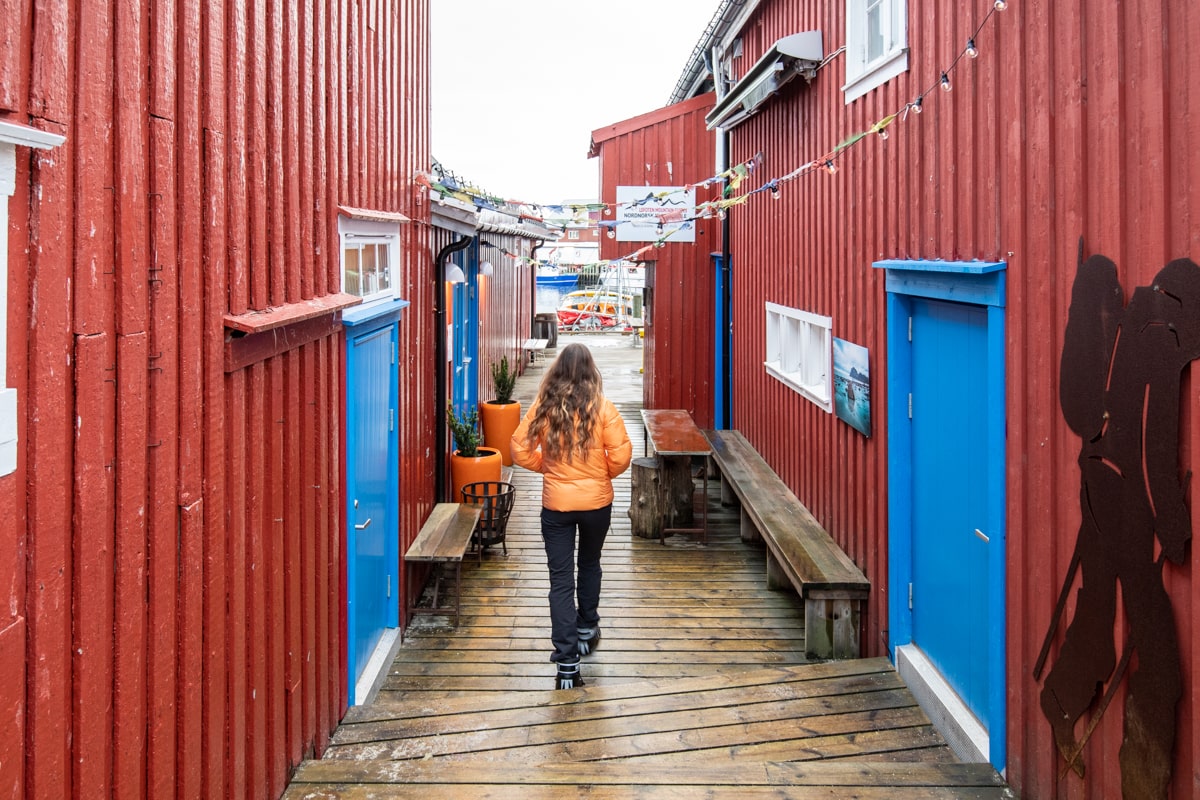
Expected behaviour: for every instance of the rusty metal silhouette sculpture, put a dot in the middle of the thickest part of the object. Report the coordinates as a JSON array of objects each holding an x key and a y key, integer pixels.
[{"x": 1120, "y": 379}]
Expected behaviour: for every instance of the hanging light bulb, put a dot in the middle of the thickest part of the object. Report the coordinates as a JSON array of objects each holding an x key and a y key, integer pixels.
[
  {"x": 721, "y": 213},
  {"x": 945, "y": 82},
  {"x": 659, "y": 229},
  {"x": 774, "y": 190},
  {"x": 883, "y": 134},
  {"x": 915, "y": 105},
  {"x": 607, "y": 211},
  {"x": 1000, "y": 5},
  {"x": 612, "y": 232},
  {"x": 972, "y": 50},
  {"x": 832, "y": 167}
]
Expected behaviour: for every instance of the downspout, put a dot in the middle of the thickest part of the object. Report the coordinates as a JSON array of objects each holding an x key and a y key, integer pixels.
[
  {"x": 439, "y": 371},
  {"x": 533, "y": 283}
]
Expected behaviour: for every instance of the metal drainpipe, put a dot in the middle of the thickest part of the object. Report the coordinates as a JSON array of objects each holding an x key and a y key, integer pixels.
[
  {"x": 533, "y": 283},
  {"x": 439, "y": 305}
]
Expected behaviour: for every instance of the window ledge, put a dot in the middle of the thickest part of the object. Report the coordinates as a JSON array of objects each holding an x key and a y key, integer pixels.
[
  {"x": 268, "y": 318},
  {"x": 824, "y": 402},
  {"x": 373, "y": 215},
  {"x": 876, "y": 74}
]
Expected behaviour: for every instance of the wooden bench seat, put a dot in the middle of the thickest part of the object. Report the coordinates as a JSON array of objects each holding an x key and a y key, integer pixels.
[
  {"x": 535, "y": 349},
  {"x": 443, "y": 540},
  {"x": 799, "y": 551}
]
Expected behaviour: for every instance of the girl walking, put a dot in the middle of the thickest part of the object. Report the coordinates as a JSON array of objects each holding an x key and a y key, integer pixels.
[{"x": 575, "y": 437}]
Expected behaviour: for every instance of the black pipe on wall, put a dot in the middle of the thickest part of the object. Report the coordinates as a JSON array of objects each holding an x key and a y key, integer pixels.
[{"x": 442, "y": 397}]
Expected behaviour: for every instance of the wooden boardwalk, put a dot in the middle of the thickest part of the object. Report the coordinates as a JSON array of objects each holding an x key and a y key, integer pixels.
[{"x": 699, "y": 687}]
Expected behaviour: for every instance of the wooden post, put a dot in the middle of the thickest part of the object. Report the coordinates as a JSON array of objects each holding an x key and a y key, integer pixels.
[
  {"x": 675, "y": 477},
  {"x": 646, "y": 508}
]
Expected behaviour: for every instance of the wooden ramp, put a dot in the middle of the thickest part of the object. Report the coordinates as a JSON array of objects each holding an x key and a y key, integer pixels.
[{"x": 699, "y": 688}]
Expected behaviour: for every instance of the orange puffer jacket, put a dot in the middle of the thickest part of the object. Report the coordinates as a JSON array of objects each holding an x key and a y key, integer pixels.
[{"x": 578, "y": 485}]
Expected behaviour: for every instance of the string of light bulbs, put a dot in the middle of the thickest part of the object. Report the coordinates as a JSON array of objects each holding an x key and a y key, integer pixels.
[{"x": 828, "y": 161}]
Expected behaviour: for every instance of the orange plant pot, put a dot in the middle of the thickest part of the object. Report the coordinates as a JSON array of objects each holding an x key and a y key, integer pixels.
[
  {"x": 483, "y": 467},
  {"x": 499, "y": 420}
]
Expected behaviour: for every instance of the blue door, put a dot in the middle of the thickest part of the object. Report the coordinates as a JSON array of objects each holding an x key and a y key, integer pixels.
[
  {"x": 949, "y": 495},
  {"x": 372, "y": 474},
  {"x": 464, "y": 346}
]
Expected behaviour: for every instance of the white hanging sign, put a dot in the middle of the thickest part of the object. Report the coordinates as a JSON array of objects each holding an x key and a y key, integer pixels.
[{"x": 649, "y": 213}]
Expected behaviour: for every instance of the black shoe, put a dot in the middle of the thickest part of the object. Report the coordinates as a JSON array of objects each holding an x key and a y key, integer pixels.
[
  {"x": 589, "y": 640},
  {"x": 568, "y": 676}
]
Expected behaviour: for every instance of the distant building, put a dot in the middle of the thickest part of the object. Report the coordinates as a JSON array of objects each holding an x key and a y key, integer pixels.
[{"x": 579, "y": 242}]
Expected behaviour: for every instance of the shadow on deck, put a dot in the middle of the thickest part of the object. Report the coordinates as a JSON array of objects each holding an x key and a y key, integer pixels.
[{"x": 699, "y": 688}]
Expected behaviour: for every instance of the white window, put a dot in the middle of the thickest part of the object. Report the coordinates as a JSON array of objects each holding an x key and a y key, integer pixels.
[
  {"x": 370, "y": 258},
  {"x": 876, "y": 44},
  {"x": 12, "y": 136},
  {"x": 572, "y": 234},
  {"x": 800, "y": 351}
]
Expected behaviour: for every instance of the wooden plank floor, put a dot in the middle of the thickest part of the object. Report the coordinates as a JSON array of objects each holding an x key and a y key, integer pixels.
[{"x": 699, "y": 687}]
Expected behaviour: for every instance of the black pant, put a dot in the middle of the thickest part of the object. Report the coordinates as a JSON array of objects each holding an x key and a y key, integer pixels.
[{"x": 558, "y": 534}]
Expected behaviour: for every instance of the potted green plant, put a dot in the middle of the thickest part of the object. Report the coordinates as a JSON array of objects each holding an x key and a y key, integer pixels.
[
  {"x": 504, "y": 380},
  {"x": 501, "y": 415},
  {"x": 470, "y": 462}
]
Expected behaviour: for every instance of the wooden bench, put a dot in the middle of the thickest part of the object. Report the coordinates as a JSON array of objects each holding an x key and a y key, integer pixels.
[
  {"x": 535, "y": 349},
  {"x": 443, "y": 540},
  {"x": 799, "y": 550}
]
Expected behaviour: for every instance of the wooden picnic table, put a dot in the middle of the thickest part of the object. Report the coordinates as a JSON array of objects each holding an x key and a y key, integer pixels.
[{"x": 672, "y": 434}]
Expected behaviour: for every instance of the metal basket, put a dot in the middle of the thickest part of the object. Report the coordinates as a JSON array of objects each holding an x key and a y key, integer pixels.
[{"x": 496, "y": 498}]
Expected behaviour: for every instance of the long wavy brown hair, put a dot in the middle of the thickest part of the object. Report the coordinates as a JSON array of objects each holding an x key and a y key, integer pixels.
[{"x": 568, "y": 405}]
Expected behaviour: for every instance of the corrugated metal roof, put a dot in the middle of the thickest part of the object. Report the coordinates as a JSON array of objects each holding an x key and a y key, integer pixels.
[{"x": 692, "y": 79}]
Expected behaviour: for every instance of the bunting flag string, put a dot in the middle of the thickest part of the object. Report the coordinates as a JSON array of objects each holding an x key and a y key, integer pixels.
[
  {"x": 732, "y": 178},
  {"x": 449, "y": 185},
  {"x": 880, "y": 128},
  {"x": 636, "y": 255}
]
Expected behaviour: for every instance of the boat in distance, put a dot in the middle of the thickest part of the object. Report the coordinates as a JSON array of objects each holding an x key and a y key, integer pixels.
[{"x": 595, "y": 308}]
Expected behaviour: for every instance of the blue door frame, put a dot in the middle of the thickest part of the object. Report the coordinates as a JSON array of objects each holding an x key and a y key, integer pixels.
[
  {"x": 372, "y": 480},
  {"x": 464, "y": 300},
  {"x": 723, "y": 344},
  {"x": 979, "y": 284}
]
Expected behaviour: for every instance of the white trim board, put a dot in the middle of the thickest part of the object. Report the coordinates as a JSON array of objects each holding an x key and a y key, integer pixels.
[{"x": 958, "y": 726}]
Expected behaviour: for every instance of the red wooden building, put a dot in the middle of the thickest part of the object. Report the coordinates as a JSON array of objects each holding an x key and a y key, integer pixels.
[
  {"x": 669, "y": 147},
  {"x": 185, "y": 187},
  {"x": 954, "y": 182}
]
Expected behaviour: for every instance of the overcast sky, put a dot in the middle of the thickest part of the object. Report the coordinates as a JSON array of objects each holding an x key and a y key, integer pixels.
[{"x": 519, "y": 85}]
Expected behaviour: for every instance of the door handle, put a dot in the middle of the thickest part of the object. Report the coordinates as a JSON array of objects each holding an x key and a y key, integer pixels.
[
  {"x": 978, "y": 533},
  {"x": 364, "y": 526}
]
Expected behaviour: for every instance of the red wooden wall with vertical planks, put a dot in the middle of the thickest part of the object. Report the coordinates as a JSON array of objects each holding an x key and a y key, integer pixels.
[
  {"x": 1076, "y": 120},
  {"x": 670, "y": 147},
  {"x": 506, "y": 296},
  {"x": 172, "y": 538}
]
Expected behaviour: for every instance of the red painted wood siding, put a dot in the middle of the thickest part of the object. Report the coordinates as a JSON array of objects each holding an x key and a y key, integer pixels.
[
  {"x": 1077, "y": 120},
  {"x": 410, "y": 150},
  {"x": 173, "y": 534},
  {"x": 678, "y": 358}
]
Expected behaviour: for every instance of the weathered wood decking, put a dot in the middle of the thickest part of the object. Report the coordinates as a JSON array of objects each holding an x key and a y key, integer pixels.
[{"x": 699, "y": 688}]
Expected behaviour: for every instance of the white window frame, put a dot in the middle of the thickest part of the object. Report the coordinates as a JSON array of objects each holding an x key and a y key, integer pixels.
[
  {"x": 11, "y": 137},
  {"x": 864, "y": 72},
  {"x": 799, "y": 352},
  {"x": 355, "y": 233}
]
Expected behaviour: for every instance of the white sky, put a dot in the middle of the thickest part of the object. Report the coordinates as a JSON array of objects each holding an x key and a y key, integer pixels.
[{"x": 519, "y": 85}]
